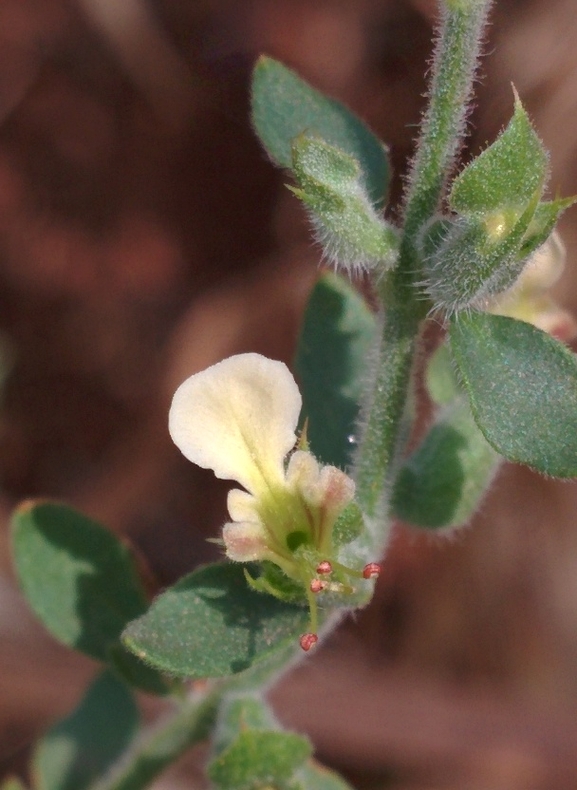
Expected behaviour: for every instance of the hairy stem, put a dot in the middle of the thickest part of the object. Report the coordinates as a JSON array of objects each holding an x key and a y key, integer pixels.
[
  {"x": 192, "y": 721},
  {"x": 385, "y": 413},
  {"x": 160, "y": 746},
  {"x": 453, "y": 72}
]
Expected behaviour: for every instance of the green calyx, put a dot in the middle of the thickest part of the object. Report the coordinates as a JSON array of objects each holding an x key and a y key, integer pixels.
[{"x": 499, "y": 221}]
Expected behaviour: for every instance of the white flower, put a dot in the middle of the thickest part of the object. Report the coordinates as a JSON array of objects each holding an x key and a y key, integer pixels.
[{"x": 239, "y": 419}]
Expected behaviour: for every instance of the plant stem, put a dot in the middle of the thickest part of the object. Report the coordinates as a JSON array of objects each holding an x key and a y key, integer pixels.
[
  {"x": 192, "y": 721},
  {"x": 454, "y": 65},
  {"x": 385, "y": 414},
  {"x": 453, "y": 72},
  {"x": 160, "y": 746}
]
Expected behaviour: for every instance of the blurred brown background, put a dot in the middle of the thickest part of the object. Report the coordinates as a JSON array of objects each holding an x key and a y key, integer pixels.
[{"x": 143, "y": 236}]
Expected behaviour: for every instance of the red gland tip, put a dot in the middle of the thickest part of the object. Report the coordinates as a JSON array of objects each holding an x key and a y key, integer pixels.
[
  {"x": 317, "y": 585},
  {"x": 371, "y": 570},
  {"x": 324, "y": 568},
  {"x": 307, "y": 641}
]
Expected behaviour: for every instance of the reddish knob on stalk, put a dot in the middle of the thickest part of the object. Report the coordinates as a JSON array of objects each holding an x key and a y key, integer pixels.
[
  {"x": 371, "y": 570},
  {"x": 307, "y": 641}
]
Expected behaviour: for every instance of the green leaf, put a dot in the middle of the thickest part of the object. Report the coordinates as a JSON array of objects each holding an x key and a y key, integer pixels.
[
  {"x": 238, "y": 712},
  {"x": 211, "y": 624},
  {"x": 506, "y": 174},
  {"x": 78, "y": 578},
  {"x": 522, "y": 385},
  {"x": 284, "y": 106},
  {"x": 252, "y": 751},
  {"x": 82, "y": 747},
  {"x": 346, "y": 224},
  {"x": 442, "y": 483},
  {"x": 336, "y": 338},
  {"x": 244, "y": 712}
]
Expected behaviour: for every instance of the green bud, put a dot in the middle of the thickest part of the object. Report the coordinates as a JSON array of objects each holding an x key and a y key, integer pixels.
[
  {"x": 478, "y": 258},
  {"x": 349, "y": 229}
]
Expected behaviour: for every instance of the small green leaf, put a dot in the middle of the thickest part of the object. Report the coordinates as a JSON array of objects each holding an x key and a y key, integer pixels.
[
  {"x": 242, "y": 712},
  {"x": 211, "y": 624},
  {"x": 442, "y": 483},
  {"x": 284, "y": 106},
  {"x": 252, "y": 751},
  {"x": 336, "y": 338},
  {"x": 82, "y": 747},
  {"x": 507, "y": 174},
  {"x": 522, "y": 385},
  {"x": 78, "y": 578},
  {"x": 330, "y": 185},
  {"x": 238, "y": 712}
]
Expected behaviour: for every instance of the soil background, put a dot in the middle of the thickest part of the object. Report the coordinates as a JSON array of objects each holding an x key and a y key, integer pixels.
[{"x": 143, "y": 236}]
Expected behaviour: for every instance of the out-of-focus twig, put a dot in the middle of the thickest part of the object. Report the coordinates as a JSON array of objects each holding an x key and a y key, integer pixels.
[{"x": 146, "y": 54}]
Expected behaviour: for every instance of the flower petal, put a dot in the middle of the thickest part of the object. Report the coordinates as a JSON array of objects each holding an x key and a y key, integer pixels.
[
  {"x": 242, "y": 506},
  {"x": 545, "y": 266},
  {"x": 245, "y": 542},
  {"x": 238, "y": 418}
]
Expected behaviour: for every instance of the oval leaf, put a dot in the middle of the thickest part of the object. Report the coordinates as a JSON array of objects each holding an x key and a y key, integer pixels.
[
  {"x": 337, "y": 335},
  {"x": 82, "y": 747},
  {"x": 211, "y": 624},
  {"x": 284, "y": 106},
  {"x": 522, "y": 386},
  {"x": 442, "y": 483},
  {"x": 78, "y": 578},
  {"x": 81, "y": 582}
]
